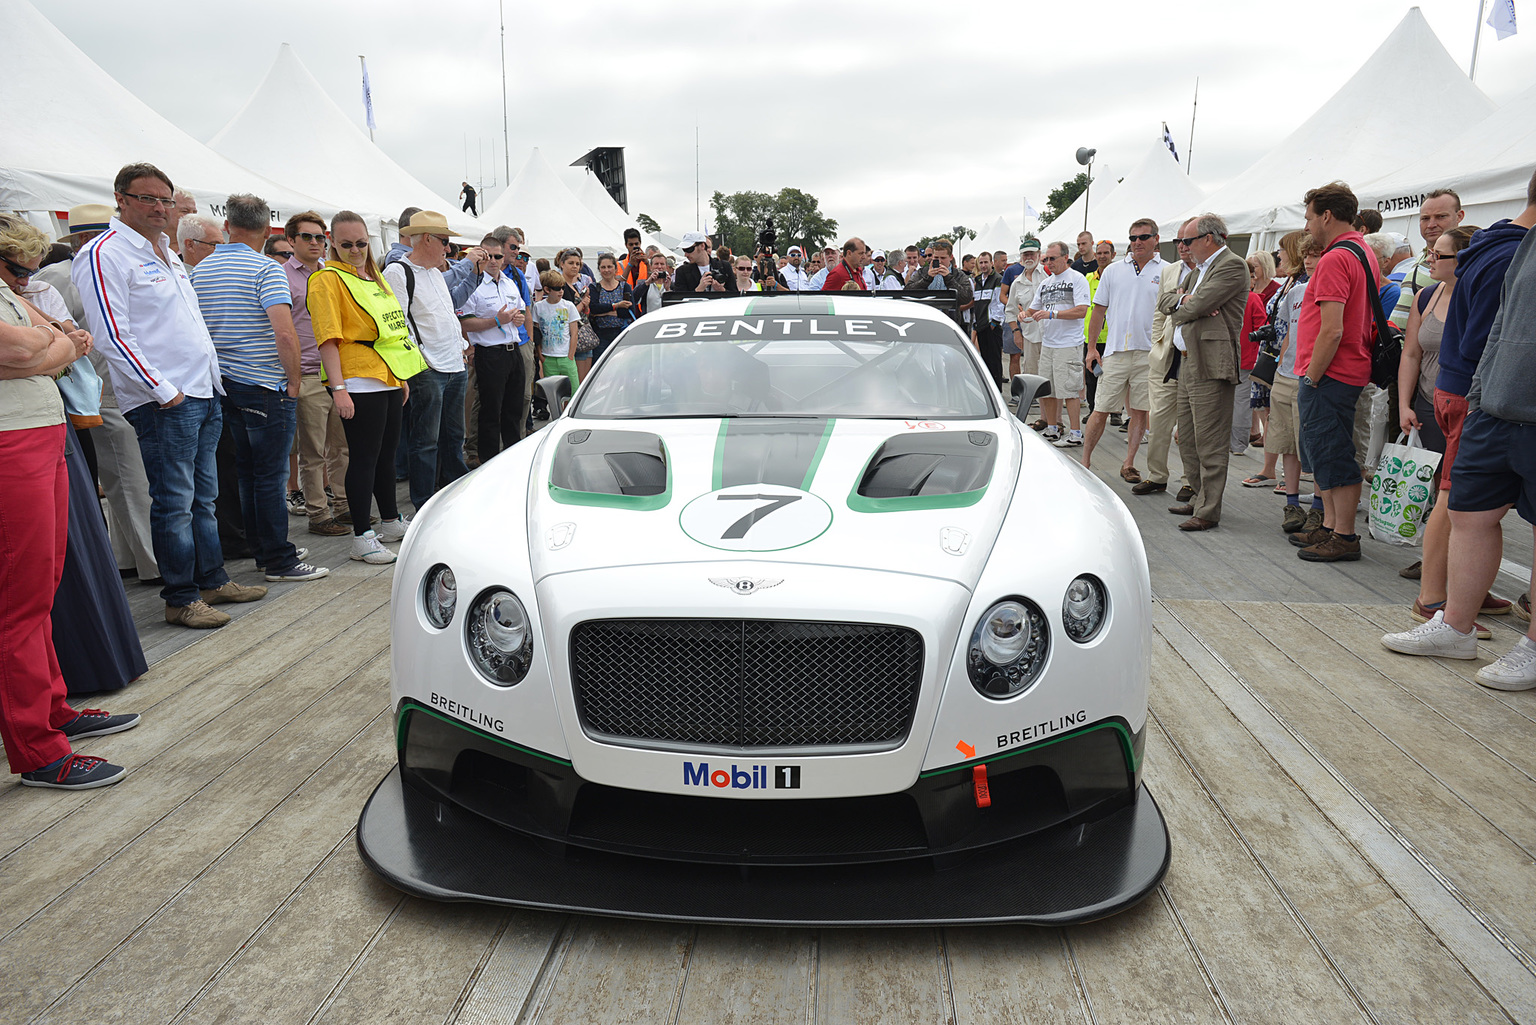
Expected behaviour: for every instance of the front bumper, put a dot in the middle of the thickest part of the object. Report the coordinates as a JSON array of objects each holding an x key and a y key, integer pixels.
[{"x": 1070, "y": 836}]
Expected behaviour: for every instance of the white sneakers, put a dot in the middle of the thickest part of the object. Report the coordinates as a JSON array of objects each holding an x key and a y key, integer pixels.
[
  {"x": 1070, "y": 439},
  {"x": 1434, "y": 637},
  {"x": 390, "y": 531},
  {"x": 1513, "y": 670},
  {"x": 370, "y": 549}
]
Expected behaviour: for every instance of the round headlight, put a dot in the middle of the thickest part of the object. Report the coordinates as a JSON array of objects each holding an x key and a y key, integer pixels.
[
  {"x": 439, "y": 595},
  {"x": 500, "y": 637},
  {"x": 1084, "y": 607},
  {"x": 1008, "y": 648}
]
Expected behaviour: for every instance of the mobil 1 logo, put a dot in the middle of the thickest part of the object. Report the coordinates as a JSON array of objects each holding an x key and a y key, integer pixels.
[{"x": 741, "y": 777}]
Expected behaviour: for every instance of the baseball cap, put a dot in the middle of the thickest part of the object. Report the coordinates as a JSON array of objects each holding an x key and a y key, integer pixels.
[
  {"x": 877, "y": 255},
  {"x": 1030, "y": 244},
  {"x": 1400, "y": 240},
  {"x": 795, "y": 251},
  {"x": 693, "y": 238}
]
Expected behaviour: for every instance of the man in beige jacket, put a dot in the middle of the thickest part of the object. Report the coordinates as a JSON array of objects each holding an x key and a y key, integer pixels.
[
  {"x": 1163, "y": 395},
  {"x": 1207, "y": 316}
]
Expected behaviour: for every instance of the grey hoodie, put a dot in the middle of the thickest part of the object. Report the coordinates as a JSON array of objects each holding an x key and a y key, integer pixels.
[{"x": 1505, "y": 382}]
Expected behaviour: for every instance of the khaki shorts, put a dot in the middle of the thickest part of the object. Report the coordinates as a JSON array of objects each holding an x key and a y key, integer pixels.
[
  {"x": 1283, "y": 437},
  {"x": 1063, "y": 367},
  {"x": 1124, "y": 382}
]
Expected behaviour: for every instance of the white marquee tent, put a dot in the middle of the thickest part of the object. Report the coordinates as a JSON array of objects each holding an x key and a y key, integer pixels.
[
  {"x": 1155, "y": 187},
  {"x": 337, "y": 160},
  {"x": 550, "y": 214},
  {"x": 1364, "y": 130},
  {"x": 1489, "y": 165},
  {"x": 66, "y": 140},
  {"x": 599, "y": 201},
  {"x": 993, "y": 237}
]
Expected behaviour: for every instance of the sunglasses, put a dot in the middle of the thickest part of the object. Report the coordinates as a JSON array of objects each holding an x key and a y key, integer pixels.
[
  {"x": 495, "y": 256},
  {"x": 16, "y": 269},
  {"x": 352, "y": 245},
  {"x": 210, "y": 245},
  {"x": 169, "y": 204},
  {"x": 1142, "y": 238},
  {"x": 282, "y": 252},
  {"x": 744, "y": 269},
  {"x": 309, "y": 236},
  {"x": 1189, "y": 241}
]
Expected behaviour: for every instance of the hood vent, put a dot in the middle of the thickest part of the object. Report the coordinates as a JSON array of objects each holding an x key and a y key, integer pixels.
[
  {"x": 930, "y": 464},
  {"x": 629, "y": 463}
]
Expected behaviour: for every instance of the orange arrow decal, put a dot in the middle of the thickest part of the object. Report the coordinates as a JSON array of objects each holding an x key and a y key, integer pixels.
[{"x": 966, "y": 749}]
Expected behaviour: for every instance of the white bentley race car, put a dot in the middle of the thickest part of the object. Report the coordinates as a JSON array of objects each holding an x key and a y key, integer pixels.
[{"x": 784, "y": 620}]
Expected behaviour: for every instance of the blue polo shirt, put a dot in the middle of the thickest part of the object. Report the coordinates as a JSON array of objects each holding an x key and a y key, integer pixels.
[{"x": 235, "y": 287}]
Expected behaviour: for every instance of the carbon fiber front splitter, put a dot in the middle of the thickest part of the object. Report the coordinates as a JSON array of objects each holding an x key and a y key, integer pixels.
[{"x": 1074, "y": 873}]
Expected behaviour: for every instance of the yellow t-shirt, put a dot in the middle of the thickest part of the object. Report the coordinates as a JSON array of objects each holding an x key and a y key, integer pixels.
[{"x": 335, "y": 314}]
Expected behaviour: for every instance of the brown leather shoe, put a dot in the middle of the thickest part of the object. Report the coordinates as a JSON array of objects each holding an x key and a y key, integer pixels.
[
  {"x": 1307, "y": 538},
  {"x": 1148, "y": 487},
  {"x": 1196, "y": 523},
  {"x": 1294, "y": 520},
  {"x": 1185, "y": 494},
  {"x": 328, "y": 528},
  {"x": 1182, "y": 510},
  {"x": 233, "y": 592},
  {"x": 1130, "y": 475},
  {"x": 1332, "y": 548},
  {"x": 197, "y": 615},
  {"x": 1413, "y": 572}
]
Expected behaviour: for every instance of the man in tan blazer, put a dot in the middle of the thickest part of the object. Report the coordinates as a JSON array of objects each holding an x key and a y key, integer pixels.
[
  {"x": 1163, "y": 395},
  {"x": 1207, "y": 316}
]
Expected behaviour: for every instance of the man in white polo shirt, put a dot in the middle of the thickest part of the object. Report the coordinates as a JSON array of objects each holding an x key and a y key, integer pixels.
[
  {"x": 1126, "y": 299},
  {"x": 491, "y": 317},
  {"x": 1059, "y": 306},
  {"x": 142, "y": 310}
]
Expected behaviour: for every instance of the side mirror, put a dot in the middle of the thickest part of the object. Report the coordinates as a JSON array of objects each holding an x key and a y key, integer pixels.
[
  {"x": 557, "y": 392},
  {"x": 1026, "y": 389}
]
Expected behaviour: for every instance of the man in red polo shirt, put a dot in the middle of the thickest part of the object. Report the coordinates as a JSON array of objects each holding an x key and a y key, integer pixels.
[
  {"x": 849, "y": 268},
  {"x": 1335, "y": 336}
]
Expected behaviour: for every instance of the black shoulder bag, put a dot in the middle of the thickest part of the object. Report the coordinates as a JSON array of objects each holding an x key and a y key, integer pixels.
[{"x": 1387, "y": 353}]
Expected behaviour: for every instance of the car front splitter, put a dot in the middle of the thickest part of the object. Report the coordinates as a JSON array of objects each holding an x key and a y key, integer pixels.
[{"x": 1075, "y": 873}]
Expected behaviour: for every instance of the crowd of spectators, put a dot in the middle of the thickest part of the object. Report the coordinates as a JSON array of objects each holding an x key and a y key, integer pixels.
[{"x": 215, "y": 379}]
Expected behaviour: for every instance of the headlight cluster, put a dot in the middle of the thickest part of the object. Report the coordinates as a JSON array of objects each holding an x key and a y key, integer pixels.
[
  {"x": 1008, "y": 648},
  {"x": 500, "y": 636},
  {"x": 1084, "y": 608},
  {"x": 439, "y": 595}
]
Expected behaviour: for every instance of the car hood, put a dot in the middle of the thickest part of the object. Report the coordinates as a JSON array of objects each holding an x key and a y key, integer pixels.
[{"x": 916, "y": 497}]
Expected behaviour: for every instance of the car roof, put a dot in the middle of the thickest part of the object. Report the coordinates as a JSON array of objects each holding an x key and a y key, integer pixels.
[{"x": 841, "y": 304}]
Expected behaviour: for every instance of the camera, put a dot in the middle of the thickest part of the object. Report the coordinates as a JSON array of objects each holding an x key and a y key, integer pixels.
[
  {"x": 1263, "y": 335},
  {"x": 768, "y": 238},
  {"x": 767, "y": 257}
]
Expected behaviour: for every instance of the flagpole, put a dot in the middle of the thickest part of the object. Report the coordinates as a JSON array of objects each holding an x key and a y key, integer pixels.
[
  {"x": 1477, "y": 36},
  {"x": 1189, "y": 151},
  {"x": 506, "y": 140},
  {"x": 363, "y": 62}
]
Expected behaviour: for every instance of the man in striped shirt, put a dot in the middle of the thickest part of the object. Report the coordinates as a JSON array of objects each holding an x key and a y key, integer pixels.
[
  {"x": 141, "y": 308},
  {"x": 247, "y": 306}
]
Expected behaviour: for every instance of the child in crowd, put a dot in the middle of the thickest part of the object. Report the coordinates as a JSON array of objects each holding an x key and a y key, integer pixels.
[{"x": 557, "y": 319}]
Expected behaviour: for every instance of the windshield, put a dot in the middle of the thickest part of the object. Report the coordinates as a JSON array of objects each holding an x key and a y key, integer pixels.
[{"x": 788, "y": 366}]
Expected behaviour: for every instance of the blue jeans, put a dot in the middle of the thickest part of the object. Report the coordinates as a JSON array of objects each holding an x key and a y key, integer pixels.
[
  {"x": 262, "y": 423},
  {"x": 434, "y": 430},
  {"x": 178, "y": 446}
]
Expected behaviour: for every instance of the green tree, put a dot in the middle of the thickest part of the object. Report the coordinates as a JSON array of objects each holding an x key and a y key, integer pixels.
[
  {"x": 1063, "y": 196},
  {"x": 797, "y": 219},
  {"x": 956, "y": 235},
  {"x": 647, "y": 223}
]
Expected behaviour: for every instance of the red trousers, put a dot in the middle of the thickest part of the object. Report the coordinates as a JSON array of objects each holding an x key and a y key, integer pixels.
[{"x": 34, "y": 523}]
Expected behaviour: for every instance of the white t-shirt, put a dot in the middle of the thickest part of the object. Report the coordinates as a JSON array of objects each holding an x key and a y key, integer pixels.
[
  {"x": 432, "y": 309},
  {"x": 1131, "y": 299},
  {"x": 495, "y": 292},
  {"x": 1061, "y": 292},
  {"x": 555, "y": 321}
]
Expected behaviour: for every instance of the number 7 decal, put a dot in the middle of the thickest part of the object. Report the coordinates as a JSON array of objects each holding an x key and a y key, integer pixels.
[{"x": 740, "y": 527}]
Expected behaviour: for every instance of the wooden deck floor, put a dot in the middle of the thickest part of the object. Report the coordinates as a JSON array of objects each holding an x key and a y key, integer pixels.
[{"x": 1353, "y": 841}]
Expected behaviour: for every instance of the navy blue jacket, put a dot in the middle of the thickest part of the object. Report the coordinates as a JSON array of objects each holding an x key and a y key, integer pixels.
[{"x": 1479, "y": 280}]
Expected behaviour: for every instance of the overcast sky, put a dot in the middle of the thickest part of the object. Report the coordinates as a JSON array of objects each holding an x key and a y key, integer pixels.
[{"x": 902, "y": 118}]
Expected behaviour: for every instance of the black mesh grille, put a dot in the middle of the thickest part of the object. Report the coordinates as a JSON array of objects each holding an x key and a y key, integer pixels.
[{"x": 746, "y": 682}]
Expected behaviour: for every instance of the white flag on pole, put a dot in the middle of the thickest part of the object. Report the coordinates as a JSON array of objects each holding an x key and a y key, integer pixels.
[
  {"x": 368, "y": 96},
  {"x": 1030, "y": 211},
  {"x": 1502, "y": 18}
]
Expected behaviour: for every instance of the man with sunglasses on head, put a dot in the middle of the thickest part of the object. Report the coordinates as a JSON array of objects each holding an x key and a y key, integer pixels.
[
  {"x": 320, "y": 441},
  {"x": 1123, "y": 305},
  {"x": 142, "y": 310}
]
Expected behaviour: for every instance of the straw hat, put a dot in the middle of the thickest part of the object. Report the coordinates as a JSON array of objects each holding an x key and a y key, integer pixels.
[
  {"x": 88, "y": 217},
  {"x": 428, "y": 222}
]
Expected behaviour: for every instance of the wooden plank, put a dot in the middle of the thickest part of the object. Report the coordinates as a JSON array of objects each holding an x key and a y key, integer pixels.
[
  {"x": 1003, "y": 975},
  {"x": 127, "y": 891},
  {"x": 419, "y": 967},
  {"x": 1433, "y": 900},
  {"x": 1394, "y": 963},
  {"x": 1396, "y": 618},
  {"x": 1468, "y": 707},
  {"x": 71, "y": 849},
  {"x": 882, "y": 975},
  {"x": 164, "y": 964},
  {"x": 617, "y": 972},
  {"x": 1490, "y": 872},
  {"x": 742, "y": 976},
  {"x": 1491, "y": 786},
  {"x": 522, "y": 953},
  {"x": 289, "y": 968}
]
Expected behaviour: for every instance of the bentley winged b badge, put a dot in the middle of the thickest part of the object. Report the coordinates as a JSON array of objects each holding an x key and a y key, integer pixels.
[{"x": 744, "y": 585}]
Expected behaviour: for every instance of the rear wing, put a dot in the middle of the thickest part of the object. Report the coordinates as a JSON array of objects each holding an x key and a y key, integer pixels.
[{"x": 939, "y": 300}]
